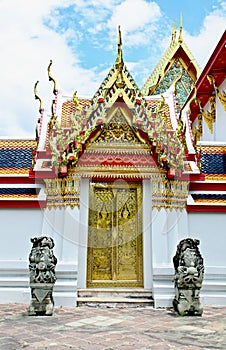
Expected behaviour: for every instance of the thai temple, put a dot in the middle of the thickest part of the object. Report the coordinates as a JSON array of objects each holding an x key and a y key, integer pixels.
[{"x": 118, "y": 180}]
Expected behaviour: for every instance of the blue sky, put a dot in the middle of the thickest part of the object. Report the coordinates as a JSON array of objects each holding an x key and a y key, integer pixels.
[{"x": 81, "y": 39}]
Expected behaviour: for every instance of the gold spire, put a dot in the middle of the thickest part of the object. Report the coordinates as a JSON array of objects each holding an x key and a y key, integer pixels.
[
  {"x": 174, "y": 31},
  {"x": 37, "y": 97},
  {"x": 51, "y": 78},
  {"x": 120, "y": 83},
  {"x": 119, "y": 59},
  {"x": 180, "y": 39}
]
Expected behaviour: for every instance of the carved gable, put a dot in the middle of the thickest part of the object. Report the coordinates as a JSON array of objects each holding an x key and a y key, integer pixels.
[{"x": 118, "y": 130}]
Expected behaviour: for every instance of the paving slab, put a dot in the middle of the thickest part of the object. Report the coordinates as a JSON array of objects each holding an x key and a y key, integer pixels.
[{"x": 86, "y": 328}]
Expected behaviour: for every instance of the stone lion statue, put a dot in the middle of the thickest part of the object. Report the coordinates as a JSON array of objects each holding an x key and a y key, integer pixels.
[
  {"x": 42, "y": 264},
  {"x": 189, "y": 271}
]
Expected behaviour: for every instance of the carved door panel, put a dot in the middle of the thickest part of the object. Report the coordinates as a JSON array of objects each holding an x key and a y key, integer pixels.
[{"x": 115, "y": 251}]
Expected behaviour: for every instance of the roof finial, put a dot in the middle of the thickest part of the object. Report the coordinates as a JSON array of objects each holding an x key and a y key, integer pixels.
[
  {"x": 119, "y": 58},
  {"x": 37, "y": 97},
  {"x": 180, "y": 39},
  {"x": 174, "y": 31},
  {"x": 51, "y": 78}
]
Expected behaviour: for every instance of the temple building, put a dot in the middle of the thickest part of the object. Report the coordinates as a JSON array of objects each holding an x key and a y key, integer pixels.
[{"x": 118, "y": 180}]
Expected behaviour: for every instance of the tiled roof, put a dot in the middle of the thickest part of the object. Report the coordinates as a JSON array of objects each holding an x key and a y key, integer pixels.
[
  {"x": 214, "y": 163},
  {"x": 165, "y": 111},
  {"x": 17, "y": 143},
  {"x": 19, "y": 192},
  {"x": 68, "y": 108},
  {"x": 16, "y": 156},
  {"x": 210, "y": 198},
  {"x": 213, "y": 149}
]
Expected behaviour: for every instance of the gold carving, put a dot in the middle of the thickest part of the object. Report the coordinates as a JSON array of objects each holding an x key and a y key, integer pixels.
[
  {"x": 221, "y": 95},
  {"x": 63, "y": 192},
  {"x": 169, "y": 194},
  {"x": 117, "y": 130},
  {"x": 209, "y": 117},
  {"x": 115, "y": 236}
]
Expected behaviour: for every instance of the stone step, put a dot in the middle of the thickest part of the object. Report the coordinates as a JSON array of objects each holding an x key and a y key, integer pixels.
[{"x": 114, "y": 297}]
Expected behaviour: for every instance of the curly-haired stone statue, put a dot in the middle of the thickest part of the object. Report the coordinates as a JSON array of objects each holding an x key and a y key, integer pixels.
[
  {"x": 42, "y": 275},
  {"x": 189, "y": 270}
]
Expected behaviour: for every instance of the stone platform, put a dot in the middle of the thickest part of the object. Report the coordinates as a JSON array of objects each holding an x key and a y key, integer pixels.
[
  {"x": 107, "y": 297},
  {"x": 122, "y": 328}
]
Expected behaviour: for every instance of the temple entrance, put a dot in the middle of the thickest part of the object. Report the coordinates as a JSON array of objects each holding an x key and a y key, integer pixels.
[{"x": 115, "y": 242}]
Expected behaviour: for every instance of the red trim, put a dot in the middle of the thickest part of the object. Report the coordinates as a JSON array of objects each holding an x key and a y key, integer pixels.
[
  {"x": 216, "y": 67},
  {"x": 44, "y": 154},
  {"x": 208, "y": 208},
  {"x": 22, "y": 204},
  {"x": 16, "y": 180},
  {"x": 42, "y": 174},
  {"x": 196, "y": 177},
  {"x": 204, "y": 186}
]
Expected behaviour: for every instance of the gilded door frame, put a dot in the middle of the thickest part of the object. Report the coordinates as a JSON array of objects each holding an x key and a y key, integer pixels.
[{"x": 115, "y": 238}]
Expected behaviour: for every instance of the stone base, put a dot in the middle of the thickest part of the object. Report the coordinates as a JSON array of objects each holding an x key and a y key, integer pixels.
[
  {"x": 42, "y": 299},
  {"x": 188, "y": 303}
]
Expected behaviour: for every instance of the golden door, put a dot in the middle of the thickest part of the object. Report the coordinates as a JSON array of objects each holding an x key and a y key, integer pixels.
[{"x": 115, "y": 249}]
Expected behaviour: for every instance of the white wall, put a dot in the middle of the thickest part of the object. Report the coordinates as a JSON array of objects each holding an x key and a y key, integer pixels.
[
  {"x": 63, "y": 226},
  {"x": 168, "y": 228},
  {"x": 17, "y": 227},
  {"x": 210, "y": 229}
]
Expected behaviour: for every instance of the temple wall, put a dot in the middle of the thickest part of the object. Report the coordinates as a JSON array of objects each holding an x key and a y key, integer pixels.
[
  {"x": 168, "y": 229},
  {"x": 68, "y": 227},
  {"x": 18, "y": 227}
]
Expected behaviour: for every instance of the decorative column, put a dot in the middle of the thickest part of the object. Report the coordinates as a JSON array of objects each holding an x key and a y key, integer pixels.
[{"x": 42, "y": 276}]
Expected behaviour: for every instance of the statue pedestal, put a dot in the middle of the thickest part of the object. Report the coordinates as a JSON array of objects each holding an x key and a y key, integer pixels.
[
  {"x": 187, "y": 302},
  {"x": 41, "y": 299}
]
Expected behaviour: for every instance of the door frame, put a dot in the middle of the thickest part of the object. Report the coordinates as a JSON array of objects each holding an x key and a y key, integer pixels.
[
  {"x": 147, "y": 234},
  {"x": 115, "y": 235}
]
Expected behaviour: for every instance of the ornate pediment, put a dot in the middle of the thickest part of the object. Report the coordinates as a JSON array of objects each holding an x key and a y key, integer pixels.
[{"x": 118, "y": 129}]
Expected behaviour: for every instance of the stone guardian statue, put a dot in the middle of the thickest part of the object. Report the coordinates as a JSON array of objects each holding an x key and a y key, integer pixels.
[
  {"x": 42, "y": 264},
  {"x": 189, "y": 270}
]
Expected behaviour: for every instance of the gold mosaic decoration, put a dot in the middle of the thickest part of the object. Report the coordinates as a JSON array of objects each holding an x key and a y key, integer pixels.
[
  {"x": 18, "y": 144},
  {"x": 63, "y": 192},
  {"x": 10, "y": 171},
  {"x": 167, "y": 61},
  {"x": 169, "y": 194}
]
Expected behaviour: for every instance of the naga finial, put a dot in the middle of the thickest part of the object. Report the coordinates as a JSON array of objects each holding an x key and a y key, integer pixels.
[
  {"x": 76, "y": 101},
  {"x": 52, "y": 79},
  {"x": 180, "y": 39},
  {"x": 37, "y": 97}
]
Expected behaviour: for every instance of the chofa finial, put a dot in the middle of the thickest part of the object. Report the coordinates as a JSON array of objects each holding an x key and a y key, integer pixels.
[
  {"x": 52, "y": 79},
  {"x": 37, "y": 97}
]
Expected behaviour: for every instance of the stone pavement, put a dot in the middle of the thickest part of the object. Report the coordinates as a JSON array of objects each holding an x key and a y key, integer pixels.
[{"x": 92, "y": 328}]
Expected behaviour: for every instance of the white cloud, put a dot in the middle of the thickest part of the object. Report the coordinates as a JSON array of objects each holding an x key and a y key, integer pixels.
[
  {"x": 134, "y": 15},
  {"x": 205, "y": 42},
  {"x": 137, "y": 19},
  {"x": 28, "y": 44}
]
